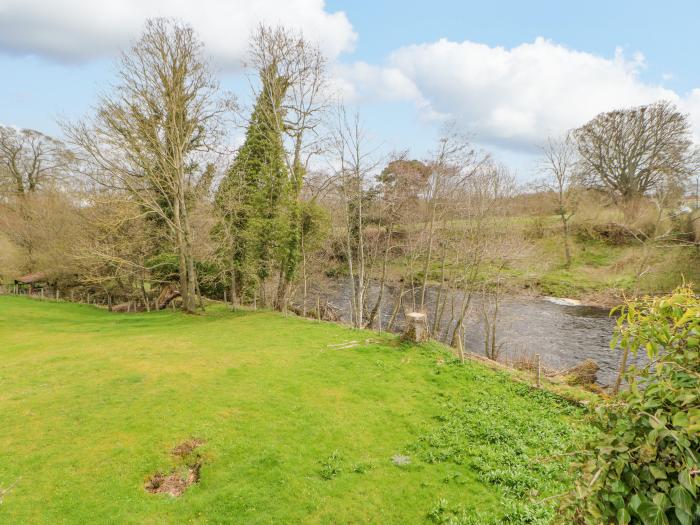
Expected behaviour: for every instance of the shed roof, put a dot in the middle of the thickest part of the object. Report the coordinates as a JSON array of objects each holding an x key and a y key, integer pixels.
[{"x": 31, "y": 278}]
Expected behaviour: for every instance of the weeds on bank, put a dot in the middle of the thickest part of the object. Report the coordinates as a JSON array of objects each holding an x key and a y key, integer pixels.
[{"x": 496, "y": 434}]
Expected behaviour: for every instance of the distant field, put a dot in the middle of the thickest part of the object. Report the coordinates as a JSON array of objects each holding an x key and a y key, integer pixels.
[{"x": 294, "y": 430}]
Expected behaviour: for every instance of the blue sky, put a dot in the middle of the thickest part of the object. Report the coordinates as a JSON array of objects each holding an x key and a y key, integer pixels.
[
  {"x": 509, "y": 73},
  {"x": 666, "y": 32}
]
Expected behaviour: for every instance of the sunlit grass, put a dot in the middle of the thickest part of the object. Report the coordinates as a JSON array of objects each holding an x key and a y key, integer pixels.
[{"x": 296, "y": 431}]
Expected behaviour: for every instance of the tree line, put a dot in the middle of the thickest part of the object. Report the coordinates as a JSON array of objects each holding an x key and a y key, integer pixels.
[{"x": 145, "y": 196}]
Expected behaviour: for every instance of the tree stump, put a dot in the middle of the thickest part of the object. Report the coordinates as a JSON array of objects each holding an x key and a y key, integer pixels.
[
  {"x": 416, "y": 327},
  {"x": 585, "y": 373}
]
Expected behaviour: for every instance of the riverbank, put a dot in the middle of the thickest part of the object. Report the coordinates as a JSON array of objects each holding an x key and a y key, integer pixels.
[
  {"x": 601, "y": 273},
  {"x": 290, "y": 419}
]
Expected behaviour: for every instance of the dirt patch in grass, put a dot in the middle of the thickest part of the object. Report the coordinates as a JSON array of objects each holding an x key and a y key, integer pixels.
[
  {"x": 175, "y": 483},
  {"x": 179, "y": 479},
  {"x": 186, "y": 448}
]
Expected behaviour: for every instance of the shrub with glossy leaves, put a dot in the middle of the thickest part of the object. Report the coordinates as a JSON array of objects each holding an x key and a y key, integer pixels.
[{"x": 644, "y": 467}]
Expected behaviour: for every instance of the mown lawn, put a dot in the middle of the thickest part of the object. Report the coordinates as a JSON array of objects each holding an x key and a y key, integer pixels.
[{"x": 296, "y": 430}]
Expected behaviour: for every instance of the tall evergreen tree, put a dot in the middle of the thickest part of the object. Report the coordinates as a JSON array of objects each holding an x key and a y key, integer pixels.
[{"x": 252, "y": 196}]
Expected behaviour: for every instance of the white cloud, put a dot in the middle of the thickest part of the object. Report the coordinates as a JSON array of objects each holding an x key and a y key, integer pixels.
[
  {"x": 691, "y": 105},
  {"x": 76, "y": 30},
  {"x": 513, "y": 97},
  {"x": 361, "y": 81}
]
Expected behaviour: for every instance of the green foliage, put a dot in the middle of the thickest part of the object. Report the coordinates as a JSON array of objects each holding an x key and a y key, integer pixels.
[
  {"x": 164, "y": 267},
  {"x": 210, "y": 282},
  {"x": 315, "y": 224},
  {"x": 362, "y": 467},
  {"x": 253, "y": 195},
  {"x": 513, "y": 513},
  {"x": 486, "y": 433},
  {"x": 645, "y": 465},
  {"x": 309, "y": 224},
  {"x": 331, "y": 466}
]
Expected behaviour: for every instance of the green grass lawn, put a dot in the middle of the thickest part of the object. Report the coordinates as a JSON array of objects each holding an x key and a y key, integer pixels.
[{"x": 296, "y": 431}]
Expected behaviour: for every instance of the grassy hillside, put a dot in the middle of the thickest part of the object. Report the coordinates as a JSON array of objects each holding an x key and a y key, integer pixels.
[
  {"x": 600, "y": 272},
  {"x": 295, "y": 430}
]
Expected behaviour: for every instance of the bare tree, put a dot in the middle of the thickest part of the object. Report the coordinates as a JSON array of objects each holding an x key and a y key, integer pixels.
[
  {"x": 484, "y": 250},
  {"x": 146, "y": 139},
  {"x": 29, "y": 160},
  {"x": 398, "y": 193},
  {"x": 559, "y": 164},
  {"x": 42, "y": 226},
  {"x": 453, "y": 163},
  {"x": 355, "y": 163},
  {"x": 110, "y": 254},
  {"x": 629, "y": 151}
]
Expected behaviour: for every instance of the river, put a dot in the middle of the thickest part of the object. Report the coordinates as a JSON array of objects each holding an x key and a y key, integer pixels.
[{"x": 564, "y": 334}]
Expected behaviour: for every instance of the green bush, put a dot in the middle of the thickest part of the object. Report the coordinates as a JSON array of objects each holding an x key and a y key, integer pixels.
[{"x": 644, "y": 467}]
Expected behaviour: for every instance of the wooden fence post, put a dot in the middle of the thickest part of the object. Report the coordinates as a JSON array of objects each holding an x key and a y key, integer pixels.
[{"x": 539, "y": 370}]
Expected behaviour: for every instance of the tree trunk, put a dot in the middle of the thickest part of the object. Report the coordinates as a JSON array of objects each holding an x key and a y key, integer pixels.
[
  {"x": 460, "y": 320},
  {"x": 199, "y": 296},
  {"x": 145, "y": 297},
  {"x": 431, "y": 235},
  {"x": 621, "y": 371},
  {"x": 375, "y": 309},
  {"x": 567, "y": 249},
  {"x": 290, "y": 263},
  {"x": 397, "y": 307},
  {"x": 304, "y": 276},
  {"x": 436, "y": 313},
  {"x": 186, "y": 291}
]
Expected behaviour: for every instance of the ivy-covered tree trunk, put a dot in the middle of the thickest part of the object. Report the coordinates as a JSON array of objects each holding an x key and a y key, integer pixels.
[
  {"x": 292, "y": 248},
  {"x": 252, "y": 195}
]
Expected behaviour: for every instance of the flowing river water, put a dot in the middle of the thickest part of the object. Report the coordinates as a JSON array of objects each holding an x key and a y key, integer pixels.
[{"x": 563, "y": 333}]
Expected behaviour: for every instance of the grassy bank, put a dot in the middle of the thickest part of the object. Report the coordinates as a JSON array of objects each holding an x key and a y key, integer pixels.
[
  {"x": 295, "y": 430},
  {"x": 601, "y": 272}
]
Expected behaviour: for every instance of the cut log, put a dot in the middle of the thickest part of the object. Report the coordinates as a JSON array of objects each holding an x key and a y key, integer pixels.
[
  {"x": 166, "y": 296},
  {"x": 121, "y": 307}
]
